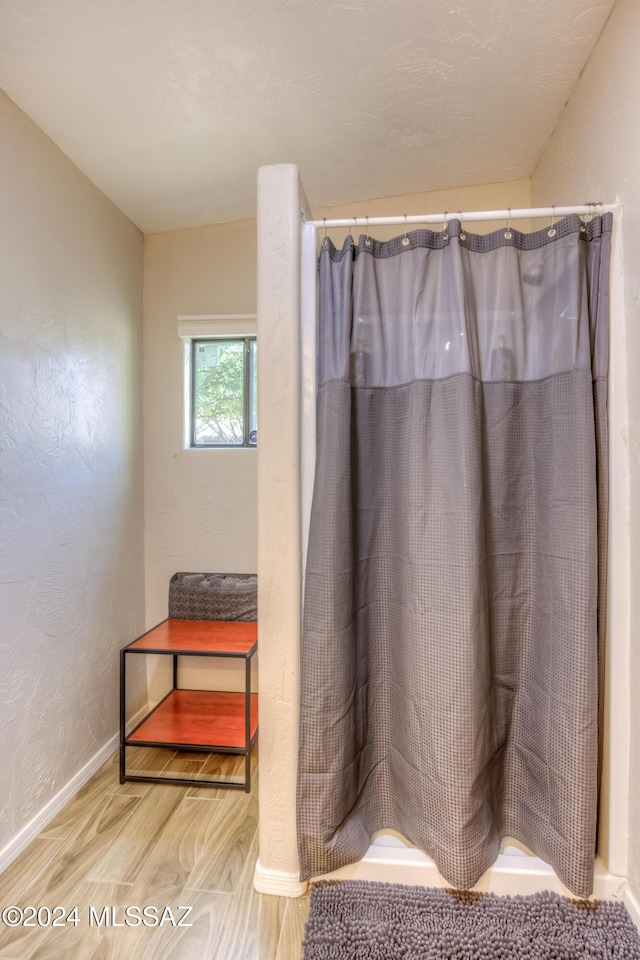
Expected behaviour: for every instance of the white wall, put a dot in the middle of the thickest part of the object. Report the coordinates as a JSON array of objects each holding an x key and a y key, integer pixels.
[
  {"x": 200, "y": 505},
  {"x": 71, "y": 533},
  {"x": 593, "y": 155},
  {"x": 486, "y": 196}
]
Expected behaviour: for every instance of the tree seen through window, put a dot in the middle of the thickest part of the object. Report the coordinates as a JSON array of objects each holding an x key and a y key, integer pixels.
[{"x": 224, "y": 392}]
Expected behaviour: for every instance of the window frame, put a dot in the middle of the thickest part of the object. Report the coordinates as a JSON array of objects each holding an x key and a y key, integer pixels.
[
  {"x": 221, "y": 326},
  {"x": 246, "y": 339}
]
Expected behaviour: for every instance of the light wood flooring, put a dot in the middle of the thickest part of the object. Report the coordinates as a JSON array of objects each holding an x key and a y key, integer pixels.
[{"x": 152, "y": 845}]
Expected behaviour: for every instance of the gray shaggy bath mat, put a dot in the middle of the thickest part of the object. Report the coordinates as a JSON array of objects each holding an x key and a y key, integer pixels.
[{"x": 354, "y": 920}]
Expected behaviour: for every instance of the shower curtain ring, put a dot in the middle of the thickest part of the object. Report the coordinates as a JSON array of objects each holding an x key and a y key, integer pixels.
[
  {"x": 367, "y": 239},
  {"x": 508, "y": 235},
  {"x": 445, "y": 235},
  {"x": 463, "y": 235},
  {"x": 324, "y": 239},
  {"x": 587, "y": 217},
  {"x": 405, "y": 242},
  {"x": 552, "y": 231}
]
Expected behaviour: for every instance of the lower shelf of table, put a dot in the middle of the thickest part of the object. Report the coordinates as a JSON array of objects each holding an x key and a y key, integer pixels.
[{"x": 208, "y": 719}]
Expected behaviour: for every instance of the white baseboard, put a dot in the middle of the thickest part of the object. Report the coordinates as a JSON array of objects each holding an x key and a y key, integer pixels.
[
  {"x": 632, "y": 906},
  {"x": 37, "y": 824},
  {"x": 279, "y": 883}
]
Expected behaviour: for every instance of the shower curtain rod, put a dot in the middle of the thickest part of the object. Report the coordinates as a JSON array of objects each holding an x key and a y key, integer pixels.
[{"x": 524, "y": 214}]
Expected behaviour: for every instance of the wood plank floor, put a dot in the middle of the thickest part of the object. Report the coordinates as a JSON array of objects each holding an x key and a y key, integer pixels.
[{"x": 158, "y": 846}]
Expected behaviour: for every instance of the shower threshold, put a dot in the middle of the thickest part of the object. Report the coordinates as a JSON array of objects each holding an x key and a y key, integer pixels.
[{"x": 390, "y": 859}]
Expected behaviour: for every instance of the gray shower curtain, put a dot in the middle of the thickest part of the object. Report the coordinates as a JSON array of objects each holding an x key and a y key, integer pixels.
[{"x": 455, "y": 586}]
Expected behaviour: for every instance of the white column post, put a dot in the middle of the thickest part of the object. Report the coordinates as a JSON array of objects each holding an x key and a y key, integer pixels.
[{"x": 280, "y": 206}]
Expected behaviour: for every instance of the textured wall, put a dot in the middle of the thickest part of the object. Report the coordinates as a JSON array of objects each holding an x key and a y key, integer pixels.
[
  {"x": 71, "y": 586},
  {"x": 487, "y": 196},
  {"x": 593, "y": 155},
  {"x": 200, "y": 505}
]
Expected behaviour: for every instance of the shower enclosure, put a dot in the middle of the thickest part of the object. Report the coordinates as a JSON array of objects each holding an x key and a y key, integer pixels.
[{"x": 287, "y": 317}]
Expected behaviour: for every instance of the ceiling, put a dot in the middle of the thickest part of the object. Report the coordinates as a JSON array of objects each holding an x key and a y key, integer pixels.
[{"x": 170, "y": 106}]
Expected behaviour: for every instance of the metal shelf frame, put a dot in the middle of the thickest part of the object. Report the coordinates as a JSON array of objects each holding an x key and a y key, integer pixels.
[{"x": 126, "y": 738}]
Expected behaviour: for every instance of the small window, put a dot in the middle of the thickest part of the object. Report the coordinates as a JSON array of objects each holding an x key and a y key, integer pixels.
[{"x": 224, "y": 403}]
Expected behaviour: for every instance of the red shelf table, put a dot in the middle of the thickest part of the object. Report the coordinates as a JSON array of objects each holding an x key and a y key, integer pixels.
[{"x": 214, "y": 721}]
